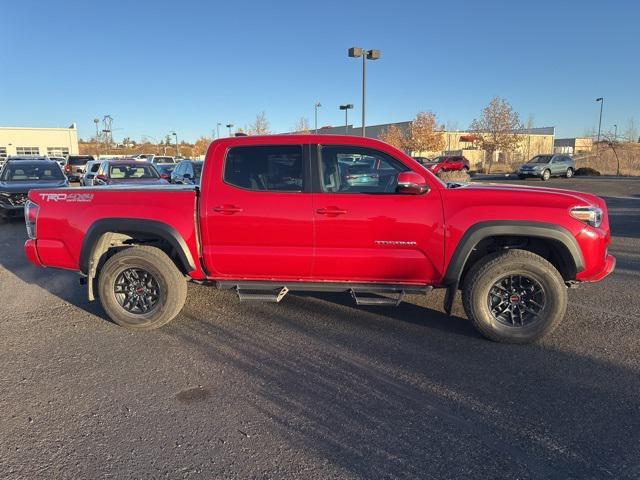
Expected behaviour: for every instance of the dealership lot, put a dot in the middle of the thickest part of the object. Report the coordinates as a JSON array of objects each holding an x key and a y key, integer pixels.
[{"x": 317, "y": 388}]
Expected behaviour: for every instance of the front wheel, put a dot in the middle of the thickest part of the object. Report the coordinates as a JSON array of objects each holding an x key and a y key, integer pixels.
[
  {"x": 546, "y": 175},
  {"x": 514, "y": 296},
  {"x": 140, "y": 288}
]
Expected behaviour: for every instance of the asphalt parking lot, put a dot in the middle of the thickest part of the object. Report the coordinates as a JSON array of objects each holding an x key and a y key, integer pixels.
[{"x": 317, "y": 388}]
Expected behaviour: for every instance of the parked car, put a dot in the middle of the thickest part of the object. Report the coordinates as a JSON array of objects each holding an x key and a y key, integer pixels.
[
  {"x": 145, "y": 156},
  {"x": 448, "y": 163},
  {"x": 273, "y": 214},
  {"x": 61, "y": 161},
  {"x": 547, "y": 166},
  {"x": 163, "y": 159},
  {"x": 120, "y": 172},
  {"x": 187, "y": 172},
  {"x": 422, "y": 160},
  {"x": 74, "y": 168},
  {"x": 90, "y": 172},
  {"x": 19, "y": 176},
  {"x": 165, "y": 169}
]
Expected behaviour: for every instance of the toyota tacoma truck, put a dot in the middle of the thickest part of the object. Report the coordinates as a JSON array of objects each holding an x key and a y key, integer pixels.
[{"x": 274, "y": 214}]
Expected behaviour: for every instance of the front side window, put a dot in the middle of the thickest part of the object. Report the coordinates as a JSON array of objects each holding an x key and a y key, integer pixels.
[
  {"x": 277, "y": 168},
  {"x": 358, "y": 170}
]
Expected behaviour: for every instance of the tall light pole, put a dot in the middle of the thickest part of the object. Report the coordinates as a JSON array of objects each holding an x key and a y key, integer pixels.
[
  {"x": 356, "y": 52},
  {"x": 601, "y": 100},
  {"x": 97, "y": 121},
  {"x": 218, "y": 128},
  {"x": 346, "y": 109},
  {"x": 317, "y": 106},
  {"x": 229, "y": 126},
  {"x": 615, "y": 133},
  {"x": 177, "y": 146}
]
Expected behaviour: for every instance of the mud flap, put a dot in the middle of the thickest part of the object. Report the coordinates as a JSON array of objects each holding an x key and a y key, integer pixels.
[{"x": 449, "y": 297}]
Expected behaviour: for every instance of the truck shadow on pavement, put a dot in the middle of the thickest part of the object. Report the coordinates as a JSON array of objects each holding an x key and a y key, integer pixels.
[
  {"x": 383, "y": 399},
  {"x": 624, "y": 216}
]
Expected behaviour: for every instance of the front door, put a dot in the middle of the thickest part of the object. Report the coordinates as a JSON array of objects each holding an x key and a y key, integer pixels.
[
  {"x": 365, "y": 231},
  {"x": 257, "y": 220}
]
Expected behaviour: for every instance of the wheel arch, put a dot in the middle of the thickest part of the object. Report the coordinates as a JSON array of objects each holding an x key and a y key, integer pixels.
[
  {"x": 546, "y": 239},
  {"x": 101, "y": 235}
]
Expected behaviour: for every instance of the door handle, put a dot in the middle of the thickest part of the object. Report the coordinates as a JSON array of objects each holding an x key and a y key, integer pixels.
[
  {"x": 227, "y": 209},
  {"x": 331, "y": 211}
]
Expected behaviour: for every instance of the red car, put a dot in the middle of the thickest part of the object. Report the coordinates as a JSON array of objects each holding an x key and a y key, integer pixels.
[
  {"x": 277, "y": 213},
  {"x": 128, "y": 172},
  {"x": 448, "y": 164}
]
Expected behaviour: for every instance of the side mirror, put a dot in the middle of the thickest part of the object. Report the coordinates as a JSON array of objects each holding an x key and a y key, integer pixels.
[{"x": 410, "y": 183}]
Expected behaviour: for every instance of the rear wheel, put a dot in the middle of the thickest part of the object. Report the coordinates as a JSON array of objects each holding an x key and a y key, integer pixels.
[
  {"x": 140, "y": 288},
  {"x": 569, "y": 173},
  {"x": 514, "y": 296},
  {"x": 546, "y": 175}
]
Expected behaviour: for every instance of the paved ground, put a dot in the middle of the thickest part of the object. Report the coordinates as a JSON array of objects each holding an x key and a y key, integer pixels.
[{"x": 316, "y": 388}]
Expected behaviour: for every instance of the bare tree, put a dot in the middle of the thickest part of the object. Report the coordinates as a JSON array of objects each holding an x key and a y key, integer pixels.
[
  {"x": 611, "y": 140},
  {"x": 260, "y": 126},
  {"x": 395, "y": 137},
  {"x": 631, "y": 132},
  {"x": 424, "y": 134},
  {"x": 302, "y": 126},
  {"x": 496, "y": 129}
]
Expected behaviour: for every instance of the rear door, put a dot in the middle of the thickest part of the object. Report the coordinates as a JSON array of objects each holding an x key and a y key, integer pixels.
[
  {"x": 365, "y": 231},
  {"x": 256, "y": 214}
]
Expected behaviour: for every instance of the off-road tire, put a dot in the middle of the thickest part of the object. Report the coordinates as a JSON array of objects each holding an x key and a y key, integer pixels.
[
  {"x": 569, "y": 173},
  {"x": 171, "y": 282},
  {"x": 546, "y": 175},
  {"x": 483, "y": 275}
]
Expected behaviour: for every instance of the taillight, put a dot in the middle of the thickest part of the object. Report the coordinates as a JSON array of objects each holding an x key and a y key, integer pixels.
[
  {"x": 67, "y": 168},
  {"x": 30, "y": 218}
]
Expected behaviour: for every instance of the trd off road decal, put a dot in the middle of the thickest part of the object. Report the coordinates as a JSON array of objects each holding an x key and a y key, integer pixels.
[{"x": 67, "y": 197}]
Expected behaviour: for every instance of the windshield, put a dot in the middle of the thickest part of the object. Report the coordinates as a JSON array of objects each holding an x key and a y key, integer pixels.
[
  {"x": 164, "y": 160},
  {"x": 32, "y": 172},
  {"x": 540, "y": 159},
  {"x": 132, "y": 171}
]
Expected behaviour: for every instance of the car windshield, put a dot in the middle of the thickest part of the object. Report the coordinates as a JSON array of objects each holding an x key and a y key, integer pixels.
[
  {"x": 32, "y": 172},
  {"x": 79, "y": 160},
  {"x": 132, "y": 171},
  {"x": 540, "y": 159},
  {"x": 164, "y": 160}
]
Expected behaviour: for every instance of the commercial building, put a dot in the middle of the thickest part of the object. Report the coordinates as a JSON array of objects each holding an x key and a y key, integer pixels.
[
  {"x": 573, "y": 145},
  {"x": 533, "y": 141},
  {"x": 56, "y": 142}
]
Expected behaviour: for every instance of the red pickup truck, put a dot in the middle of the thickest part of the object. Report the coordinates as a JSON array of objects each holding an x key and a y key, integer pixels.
[{"x": 280, "y": 213}]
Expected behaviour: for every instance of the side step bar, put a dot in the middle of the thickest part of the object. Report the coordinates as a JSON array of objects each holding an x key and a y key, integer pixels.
[
  {"x": 365, "y": 298},
  {"x": 273, "y": 296}
]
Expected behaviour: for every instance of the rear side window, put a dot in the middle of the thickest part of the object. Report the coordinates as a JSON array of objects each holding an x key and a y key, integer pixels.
[{"x": 276, "y": 168}]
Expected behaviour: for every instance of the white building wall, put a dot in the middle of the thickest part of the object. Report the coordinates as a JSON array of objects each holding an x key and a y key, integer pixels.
[{"x": 13, "y": 140}]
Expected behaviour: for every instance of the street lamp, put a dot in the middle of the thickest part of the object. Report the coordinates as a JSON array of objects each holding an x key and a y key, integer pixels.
[
  {"x": 218, "y": 128},
  {"x": 229, "y": 126},
  {"x": 177, "y": 146},
  {"x": 346, "y": 109},
  {"x": 97, "y": 121},
  {"x": 601, "y": 100},
  {"x": 615, "y": 133},
  {"x": 317, "y": 106},
  {"x": 356, "y": 52}
]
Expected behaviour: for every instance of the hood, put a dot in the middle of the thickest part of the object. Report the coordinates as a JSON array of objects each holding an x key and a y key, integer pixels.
[
  {"x": 139, "y": 181},
  {"x": 24, "y": 187},
  {"x": 543, "y": 195}
]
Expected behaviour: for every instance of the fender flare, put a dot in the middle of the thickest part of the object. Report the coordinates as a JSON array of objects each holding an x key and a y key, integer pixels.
[
  {"x": 133, "y": 225},
  {"x": 516, "y": 228}
]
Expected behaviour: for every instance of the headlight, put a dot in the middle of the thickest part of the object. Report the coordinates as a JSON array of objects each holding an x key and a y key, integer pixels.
[{"x": 589, "y": 215}]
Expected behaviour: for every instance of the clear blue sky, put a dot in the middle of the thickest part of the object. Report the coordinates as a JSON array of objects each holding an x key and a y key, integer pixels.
[{"x": 156, "y": 66}]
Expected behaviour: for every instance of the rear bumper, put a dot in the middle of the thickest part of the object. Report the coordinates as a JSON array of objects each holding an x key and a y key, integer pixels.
[{"x": 31, "y": 252}]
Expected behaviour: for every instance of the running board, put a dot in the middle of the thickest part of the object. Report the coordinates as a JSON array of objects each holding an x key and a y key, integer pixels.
[
  {"x": 363, "y": 298},
  {"x": 273, "y": 296}
]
